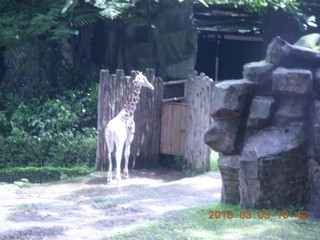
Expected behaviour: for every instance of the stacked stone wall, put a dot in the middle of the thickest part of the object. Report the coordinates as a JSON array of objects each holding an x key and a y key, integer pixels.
[{"x": 267, "y": 130}]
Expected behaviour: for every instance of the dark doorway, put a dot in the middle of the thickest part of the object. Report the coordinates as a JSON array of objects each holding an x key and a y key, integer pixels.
[
  {"x": 234, "y": 53},
  {"x": 206, "y": 57},
  {"x": 222, "y": 57}
]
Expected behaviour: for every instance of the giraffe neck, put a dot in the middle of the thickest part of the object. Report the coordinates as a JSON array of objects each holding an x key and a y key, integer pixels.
[{"x": 131, "y": 105}]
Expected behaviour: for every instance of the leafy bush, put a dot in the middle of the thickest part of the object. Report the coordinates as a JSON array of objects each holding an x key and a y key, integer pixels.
[
  {"x": 63, "y": 150},
  {"x": 47, "y": 117},
  {"x": 49, "y": 132}
]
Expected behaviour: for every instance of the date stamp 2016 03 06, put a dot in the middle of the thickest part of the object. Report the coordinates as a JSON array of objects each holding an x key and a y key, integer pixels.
[{"x": 256, "y": 215}]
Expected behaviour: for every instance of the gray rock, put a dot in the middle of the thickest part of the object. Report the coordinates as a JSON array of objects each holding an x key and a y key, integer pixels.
[
  {"x": 290, "y": 109},
  {"x": 273, "y": 168},
  {"x": 281, "y": 53},
  {"x": 222, "y": 135},
  {"x": 292, "y": 81},
  {"x": 282, "y": 130},
  {"x": 176, "y": 39},
  {"x": 229, "y": 169},
  {"x": 315, "y": 113},
  {"x": 230, "y": 97},
  {"x": 24, "y": 180},
  {"x": 250, "y": 188},
  {"x": 261, "y": 74},
  {"x": 316, "y": 79},
  {"x": 255, "y": 70},
  {"x": 273, "y": 141},
  {"x": 313, "y": 203},
  {"x": 311, "y": 41},
  {"x": 260, "y": 112}
]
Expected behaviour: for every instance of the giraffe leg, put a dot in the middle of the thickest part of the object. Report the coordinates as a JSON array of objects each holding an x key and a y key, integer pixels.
[
  {"x": 126, "y": 156},
  {"x": 110, "y": 150},
  {"x": 119, "y": 151},
  {"x": 109, "y": 179}
]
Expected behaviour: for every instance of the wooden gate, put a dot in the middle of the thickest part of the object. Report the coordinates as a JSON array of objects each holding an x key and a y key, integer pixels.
[
  {"x": 185, "y": 119},
  {"x": 174, "y": 110},
  {"x": 173, "y": 131}
]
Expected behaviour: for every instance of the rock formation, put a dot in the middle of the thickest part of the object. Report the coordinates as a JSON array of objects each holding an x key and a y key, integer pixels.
[
  {"x": 176, "y": 39},
  {"x": 267, "y": 130}
]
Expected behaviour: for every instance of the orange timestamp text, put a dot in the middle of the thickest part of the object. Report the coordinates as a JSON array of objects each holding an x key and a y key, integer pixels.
[{"x": 255, "y": 215}]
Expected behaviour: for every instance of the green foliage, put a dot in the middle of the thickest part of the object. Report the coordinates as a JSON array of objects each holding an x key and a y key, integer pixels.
[
  {"x": 41, "y": 175},
  {"x": 108, "y": 9},
  {"x": 214, "y": 167},
  {"x": 32, "y": 20},
  {"x": 299, "y": 10},
  {"x": 63, "y": 150},
  {"x": 35, "y": 36},
  {"x": 42, "y": 117},
  {"x": 114, "y": 9},
  {"x": 49, "y": 132}
]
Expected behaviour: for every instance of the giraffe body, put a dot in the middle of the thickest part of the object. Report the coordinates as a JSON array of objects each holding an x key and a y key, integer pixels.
[{"x": 120, "y": 130}]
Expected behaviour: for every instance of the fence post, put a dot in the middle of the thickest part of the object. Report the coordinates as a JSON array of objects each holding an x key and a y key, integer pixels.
[
  {"x": 197, "y": 153},
  {"x": 102, "y": 109},
  {"x": 146, "y": 144}
]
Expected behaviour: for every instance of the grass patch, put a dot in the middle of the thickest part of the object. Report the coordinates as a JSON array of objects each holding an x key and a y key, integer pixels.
[
  {"x": 194, "y": 223},
  {"x": 103, "y": 203},
  {"x": 190, "y": 173},
  {"x": 41, "y": 175}
]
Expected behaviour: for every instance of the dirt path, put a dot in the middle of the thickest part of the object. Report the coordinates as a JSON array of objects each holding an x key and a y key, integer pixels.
[{"x": 88, "y": 208}]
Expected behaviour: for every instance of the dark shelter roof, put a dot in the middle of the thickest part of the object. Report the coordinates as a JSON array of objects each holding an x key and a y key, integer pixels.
[{"x": 223, "y": 19}]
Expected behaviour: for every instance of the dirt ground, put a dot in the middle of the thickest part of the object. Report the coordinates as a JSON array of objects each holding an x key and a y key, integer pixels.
[{"x": 89, "y": 208}]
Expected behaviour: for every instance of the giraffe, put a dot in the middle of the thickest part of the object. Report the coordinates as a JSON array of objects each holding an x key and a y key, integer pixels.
[{"x": 120, "y": 130}]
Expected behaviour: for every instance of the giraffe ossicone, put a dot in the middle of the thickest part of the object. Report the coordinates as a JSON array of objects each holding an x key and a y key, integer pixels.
[{"x": 120, "y": 130}]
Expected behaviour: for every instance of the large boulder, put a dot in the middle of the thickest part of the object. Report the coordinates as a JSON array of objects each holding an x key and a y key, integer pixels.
[
  {"x": 311, "y": 41},
  {"x": 230, "y": 98},
  {"x": 315, "y": 127},
  {"x": 281, "y": 53},
  {"x": 313, "y": 202},
  {"x": 292, "y": 81},
  {"x": 176, "y": 38},
  {"x": 229, "y": 169},
  {"x": 261, "y": 74},
  {"x": 316, "y": 79},
  {"x": 273, "y": 168},
  {"x": 270, "y": 124},
  {"x": 290, "y": 110},
  {"x": 222, "y": 135},
  {"x": 260, "y": 112}
]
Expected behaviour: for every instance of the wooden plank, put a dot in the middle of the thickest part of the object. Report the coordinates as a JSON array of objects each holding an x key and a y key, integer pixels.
[
  {"x": 175, "y": 82},
  {"x": 197, "y": 153},
  {"x": 174, "y": 99},
  {"x": 173, "y": 129},
  {"x": 102, "y": 108}
]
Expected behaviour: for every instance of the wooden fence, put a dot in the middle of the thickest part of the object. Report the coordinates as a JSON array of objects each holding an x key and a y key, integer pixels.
[
  {"x": 114, "y": 90},
  {"x": 199, "y": 95}
]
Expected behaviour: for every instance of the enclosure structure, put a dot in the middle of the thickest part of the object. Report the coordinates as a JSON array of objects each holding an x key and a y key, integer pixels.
[{"x": 162, "y": 125}]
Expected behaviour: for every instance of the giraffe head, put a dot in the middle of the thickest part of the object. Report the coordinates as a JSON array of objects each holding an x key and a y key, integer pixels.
[{"x": 142, "y": 81}]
